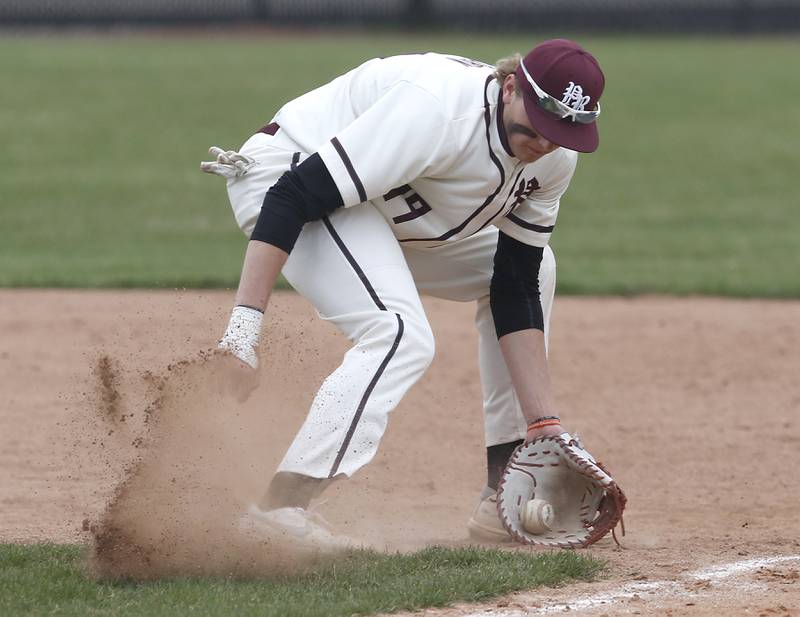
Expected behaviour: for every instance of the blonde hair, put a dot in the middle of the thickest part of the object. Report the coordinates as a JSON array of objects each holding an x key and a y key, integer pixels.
[{"x": 506, "y": 66}]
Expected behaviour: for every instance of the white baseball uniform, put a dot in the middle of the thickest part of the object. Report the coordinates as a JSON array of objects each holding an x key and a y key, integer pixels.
[{"x": 417, "y": 149}]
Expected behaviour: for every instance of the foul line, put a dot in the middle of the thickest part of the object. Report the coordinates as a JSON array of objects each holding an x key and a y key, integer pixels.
[{"x": 654, "y": 589}]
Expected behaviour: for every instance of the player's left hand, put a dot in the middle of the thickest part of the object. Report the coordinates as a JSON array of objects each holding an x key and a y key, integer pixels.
[
  {"x": 545, "y": 431},
  {"x": 554, "y": 493},
  {"x": 227, "y": 163}
]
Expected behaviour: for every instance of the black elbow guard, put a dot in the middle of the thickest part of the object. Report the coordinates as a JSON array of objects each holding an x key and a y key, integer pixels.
[
  {"x": 305, "y": 193},
  {"x": 514, "y": 292}
]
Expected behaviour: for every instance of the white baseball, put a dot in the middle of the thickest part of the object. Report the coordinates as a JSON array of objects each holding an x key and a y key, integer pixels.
[{"x": 537, "y": 516}]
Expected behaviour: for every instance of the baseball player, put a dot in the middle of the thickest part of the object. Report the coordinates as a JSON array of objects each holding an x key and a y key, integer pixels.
[{"x": 419, "y": 173}]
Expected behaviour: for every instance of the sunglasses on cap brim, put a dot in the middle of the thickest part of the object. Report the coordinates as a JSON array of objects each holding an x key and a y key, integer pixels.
[{"x": 554, "y": 106}]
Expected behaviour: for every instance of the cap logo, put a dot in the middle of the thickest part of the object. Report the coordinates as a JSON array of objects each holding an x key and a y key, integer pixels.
[{"x": 573, "y": 96}]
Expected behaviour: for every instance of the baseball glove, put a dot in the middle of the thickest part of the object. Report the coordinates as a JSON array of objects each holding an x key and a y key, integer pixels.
[{"x": 554, "y": 493}]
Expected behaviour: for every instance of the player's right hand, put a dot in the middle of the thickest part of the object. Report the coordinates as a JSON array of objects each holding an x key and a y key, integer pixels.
[
  {"x": 239, "y": 349},
  {"x": 242, "y": 334},
  {"x": 236, "y": 378}
]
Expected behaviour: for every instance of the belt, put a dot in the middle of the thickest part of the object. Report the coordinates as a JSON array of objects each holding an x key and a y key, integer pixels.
[{"x": 269, "y": 129}]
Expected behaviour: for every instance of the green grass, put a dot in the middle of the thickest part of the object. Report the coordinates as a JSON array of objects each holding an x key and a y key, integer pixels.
[
  {"x": 692, "y": 191},
  {"x": 49, "y": 580}
]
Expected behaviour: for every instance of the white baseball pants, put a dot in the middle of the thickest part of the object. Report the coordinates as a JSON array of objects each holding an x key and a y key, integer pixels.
[{"x": 353, "y": 270}]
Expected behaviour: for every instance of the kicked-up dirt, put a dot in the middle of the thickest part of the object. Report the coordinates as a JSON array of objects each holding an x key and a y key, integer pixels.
[{"x": 693, "y": 404}]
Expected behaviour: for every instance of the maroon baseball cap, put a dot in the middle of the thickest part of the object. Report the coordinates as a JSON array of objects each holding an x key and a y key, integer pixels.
[{"x": 569, "y": 74}]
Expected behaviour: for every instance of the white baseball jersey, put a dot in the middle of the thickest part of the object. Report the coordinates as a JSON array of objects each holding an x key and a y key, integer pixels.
[
  {"x": 421, "y": 136},
  {"x": 421, "y": 139}
]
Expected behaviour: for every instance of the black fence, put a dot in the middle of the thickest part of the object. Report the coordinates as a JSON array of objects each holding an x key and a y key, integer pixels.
[{"x": 496, "y": 15}]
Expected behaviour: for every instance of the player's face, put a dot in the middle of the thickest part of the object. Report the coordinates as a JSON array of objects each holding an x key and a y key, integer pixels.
[{"x": 523, "y": 140}]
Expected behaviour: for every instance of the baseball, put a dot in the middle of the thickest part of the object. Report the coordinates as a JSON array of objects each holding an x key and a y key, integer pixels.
[{"x": 537, "y": 516}]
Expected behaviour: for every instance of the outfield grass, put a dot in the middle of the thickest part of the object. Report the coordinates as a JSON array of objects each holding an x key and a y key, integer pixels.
[
  {"x": 692, "y": 190},
  {"x": 49, "y": 579}
]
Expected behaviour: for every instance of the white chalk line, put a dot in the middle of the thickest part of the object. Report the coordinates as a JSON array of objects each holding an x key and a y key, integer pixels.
[{"x": 652, "y": 589}]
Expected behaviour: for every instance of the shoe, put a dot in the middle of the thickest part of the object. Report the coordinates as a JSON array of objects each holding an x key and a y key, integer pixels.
[
  {"x": 299, "y": 529},
  {"x": 484, "y": 524}
]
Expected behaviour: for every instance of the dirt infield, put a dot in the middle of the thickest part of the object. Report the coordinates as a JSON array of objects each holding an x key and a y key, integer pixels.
[{"x": 692, "y": 403}]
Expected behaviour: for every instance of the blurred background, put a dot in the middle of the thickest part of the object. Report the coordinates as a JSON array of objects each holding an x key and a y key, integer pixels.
[
  {"x": 485, "y": 15},
  {"x": 108, "y": 106}
]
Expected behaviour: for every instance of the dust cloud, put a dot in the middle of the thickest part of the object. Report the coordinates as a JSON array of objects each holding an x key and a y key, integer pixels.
[{"x": 192, "y": 458}]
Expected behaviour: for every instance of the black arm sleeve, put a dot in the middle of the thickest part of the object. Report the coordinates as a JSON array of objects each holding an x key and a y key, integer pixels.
[
  {"x": 514, "y": 292},
  {"x": 305, "y": 193}
]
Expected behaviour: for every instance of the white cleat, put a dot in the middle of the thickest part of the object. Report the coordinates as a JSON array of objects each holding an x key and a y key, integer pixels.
[
  {"x": 485, "y": 525},
  {"x": 296, "y": 528}
]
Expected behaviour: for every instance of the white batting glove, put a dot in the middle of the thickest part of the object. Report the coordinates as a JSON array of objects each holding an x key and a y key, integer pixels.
[
  {"x": 227, "y": 163},
  {"x": 243, "y": 333}
]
